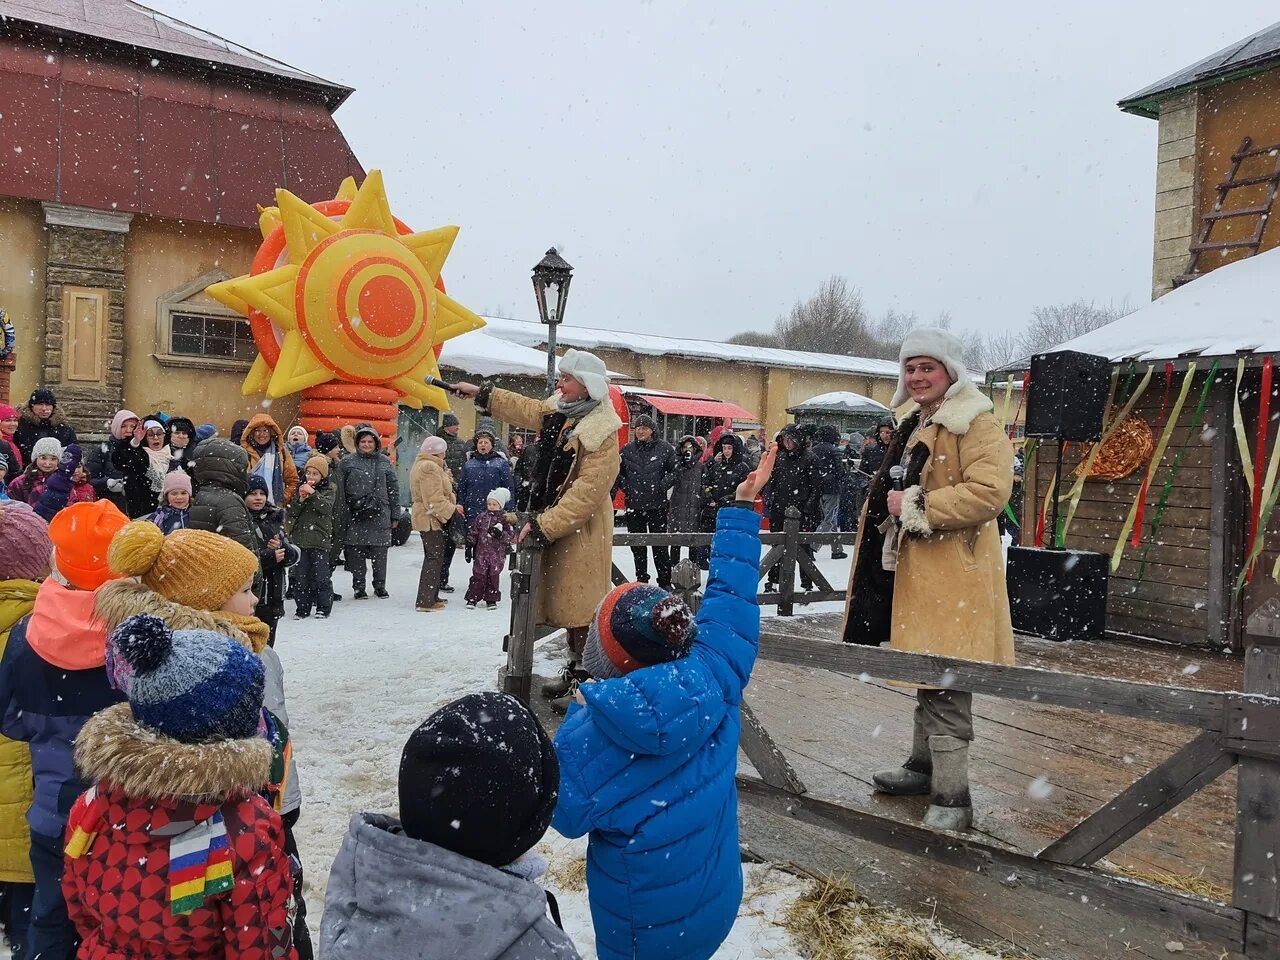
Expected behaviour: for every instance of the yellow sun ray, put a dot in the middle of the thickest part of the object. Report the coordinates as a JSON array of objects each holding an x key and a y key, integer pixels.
[
  {"x": 370, "y": 209},
  {"x": 268, "y": 220},
  {"x": 296, "y": 369},
  {"x": 270, "y": 292},
  {"x": 453, "y": 319},
  {"x": 418, "y": 393},
  {"x": 304, "y": 225},
  {"x": 432, "y": 247},
  {"x": 258, "y": 378},
  {"x": 346, "y": 189}
]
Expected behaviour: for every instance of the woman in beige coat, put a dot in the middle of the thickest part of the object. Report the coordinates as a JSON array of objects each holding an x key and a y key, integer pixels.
[
  {"x": 928, "y": 573},
  {"x": 431, "y": 486},
  {"x": 576, "y": 464}
]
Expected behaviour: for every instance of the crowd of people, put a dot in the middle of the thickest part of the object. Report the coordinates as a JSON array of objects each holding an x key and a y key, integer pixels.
[{"x": 148, "y": 784}]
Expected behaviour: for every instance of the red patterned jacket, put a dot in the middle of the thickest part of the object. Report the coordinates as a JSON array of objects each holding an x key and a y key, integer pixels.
[{"x": 117, "y": 880}]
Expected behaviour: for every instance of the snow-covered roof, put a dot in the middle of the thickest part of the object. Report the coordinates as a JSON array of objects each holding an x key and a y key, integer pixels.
[
  {"x": 1254, "y": 52},
  {"x": 842, "y": 400},
  {"x": 534, "y": 334},
  {"x": 1227, "y": 311},
  {"x": 484, "y": 355}
]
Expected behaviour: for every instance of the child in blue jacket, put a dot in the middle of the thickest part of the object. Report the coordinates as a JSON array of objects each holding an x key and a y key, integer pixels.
[{"x": 649, "y": 752}]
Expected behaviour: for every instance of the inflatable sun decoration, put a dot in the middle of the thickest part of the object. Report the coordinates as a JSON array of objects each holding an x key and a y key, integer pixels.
[{"x": 342, "y": 291}]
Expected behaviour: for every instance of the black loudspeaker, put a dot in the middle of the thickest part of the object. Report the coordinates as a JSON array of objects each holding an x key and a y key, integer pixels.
[
  {"x": 1057, "y": 594},
  {"x": 1067, "y": 395}
]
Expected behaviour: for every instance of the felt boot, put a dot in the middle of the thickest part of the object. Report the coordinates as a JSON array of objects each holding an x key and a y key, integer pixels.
[
  {"x": 949, "y": 805},
  {"x": 913, "y": 777}
]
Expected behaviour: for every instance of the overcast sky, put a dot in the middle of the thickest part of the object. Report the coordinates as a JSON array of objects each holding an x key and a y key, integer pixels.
[{"x": 703, "y": 165}]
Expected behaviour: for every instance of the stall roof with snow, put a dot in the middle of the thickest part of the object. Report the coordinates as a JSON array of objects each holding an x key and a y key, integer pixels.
[{"x": 841, "y": 401}]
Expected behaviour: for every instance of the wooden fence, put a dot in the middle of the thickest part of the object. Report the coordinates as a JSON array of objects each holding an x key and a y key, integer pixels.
[{"x": 1231, "y": 728}]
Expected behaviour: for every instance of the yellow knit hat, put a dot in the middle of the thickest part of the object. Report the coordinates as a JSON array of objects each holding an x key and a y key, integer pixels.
[{"x": 195, "y": 568}]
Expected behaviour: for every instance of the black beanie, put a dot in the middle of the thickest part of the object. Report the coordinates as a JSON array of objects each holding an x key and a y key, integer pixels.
[
  {"x": 42, "y": 395},
  {"x": 326, "y": 441},
  {"x": 480, "y": 778}
]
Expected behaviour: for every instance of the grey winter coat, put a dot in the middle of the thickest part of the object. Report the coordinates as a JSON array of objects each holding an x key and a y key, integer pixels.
[
  {"x": 646, "y": 473},
  {"x": 392, "y": 896},
  {"x": 273, "y": 700},
  {"x": 686, "y": 495},
  {"x": 369, "y": 479}
]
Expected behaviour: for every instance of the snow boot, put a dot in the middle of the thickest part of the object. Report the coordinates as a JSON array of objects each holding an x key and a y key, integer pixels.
[
  {"x": 913, "y": 777},
  {"x": 554, "y": 689},
  {"x": 560, "y": 705},
  {"x": 949, "y": 805}
]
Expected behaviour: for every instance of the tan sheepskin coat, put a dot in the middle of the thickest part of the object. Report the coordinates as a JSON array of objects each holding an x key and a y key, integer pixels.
[
  {"x": 431, "y": 487},
  {"x": 949, "y": 595},
  {"x": 576, "y": 565}
]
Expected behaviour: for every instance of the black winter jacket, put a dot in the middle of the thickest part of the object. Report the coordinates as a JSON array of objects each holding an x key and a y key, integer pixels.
[
  {"x": 31, "y": 428},
  {"x": 646, "y": 473},
  {"x": 686, "y": 495},
  {"x": 828, "y": 461},
  {"x": 720, "y": 477},
  {"x": 269, "y": 523},
  {"x": 98, "y": 465},
  {"x": 220, "y": 470},
  {"x": 134, "y": 465},
  {"x": 794, "y": 484}
]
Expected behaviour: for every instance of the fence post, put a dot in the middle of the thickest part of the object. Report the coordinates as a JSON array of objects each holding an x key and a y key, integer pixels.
[
  {"x": 790, "y": 553},
  {"x": 687, "y": 578},
  {"x": 516, "y": 676}
]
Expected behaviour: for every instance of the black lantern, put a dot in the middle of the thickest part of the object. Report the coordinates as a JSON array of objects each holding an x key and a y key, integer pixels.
[{"x": 551, "y": 286}]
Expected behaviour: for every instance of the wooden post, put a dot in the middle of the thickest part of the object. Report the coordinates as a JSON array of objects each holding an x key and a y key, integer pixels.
[
  {"x": 1257, "y": 867},
  {"x": 687, "y": 579},
  {"x": 790, "y": 550},
  {"x": 516, "y": 676}
]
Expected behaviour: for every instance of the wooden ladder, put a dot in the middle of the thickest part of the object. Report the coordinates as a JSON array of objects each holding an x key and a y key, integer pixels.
[{"x": 1262, "y": 211}]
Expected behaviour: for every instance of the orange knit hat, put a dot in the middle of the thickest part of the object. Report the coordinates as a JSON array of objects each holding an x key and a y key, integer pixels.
[
  {"x": 81, "y": 534},
  {"x": 195, "y": 568}
]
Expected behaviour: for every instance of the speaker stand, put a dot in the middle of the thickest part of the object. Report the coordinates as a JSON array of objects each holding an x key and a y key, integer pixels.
[{"x": 1057, "y": 483}]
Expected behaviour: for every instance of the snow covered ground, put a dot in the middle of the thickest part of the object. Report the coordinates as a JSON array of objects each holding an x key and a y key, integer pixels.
[{"x": 357, "y": 685}]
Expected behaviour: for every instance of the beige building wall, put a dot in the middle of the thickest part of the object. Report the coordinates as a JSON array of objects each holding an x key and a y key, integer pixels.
[
  {"x": 22, "y": 286},
  {"x": 1176, "y": 216},
  {"x": 161, "y": 256}
]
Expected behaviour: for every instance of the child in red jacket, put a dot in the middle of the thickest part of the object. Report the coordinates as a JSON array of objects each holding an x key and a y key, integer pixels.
[{"x": 174, "y": 852}]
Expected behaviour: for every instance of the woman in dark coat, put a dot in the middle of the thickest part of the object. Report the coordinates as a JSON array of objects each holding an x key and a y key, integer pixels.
[
  {"x": 522, "y": 469},
  {"x": 721, "y": 475},
  {"x": 685, "y": 508},
  {"x": 484, "y": 471},
  {"x": 373, "y": 505},
  {"x": 794, "y": 483}
]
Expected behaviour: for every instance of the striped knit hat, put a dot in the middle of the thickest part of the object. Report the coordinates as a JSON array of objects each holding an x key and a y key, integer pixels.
[
  {"x": 637, "y": 625},
  {"x": 194, "y": 686}
]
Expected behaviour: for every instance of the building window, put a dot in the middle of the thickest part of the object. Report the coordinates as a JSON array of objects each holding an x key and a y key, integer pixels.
[
  {"x": 210, "y": 335},
  {"x": 192, "y": 330}
]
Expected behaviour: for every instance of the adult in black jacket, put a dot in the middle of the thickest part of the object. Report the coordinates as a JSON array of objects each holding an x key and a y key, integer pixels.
[
  {"x": 829, "y": 477},
  {"x": 646, "y": 475},
  {"x": 721, "y": 476},
  {"x": 219, "y": 473},
  {"x": 875, "y": 449},
  {"x": 522, "y": 469},
  {"x": 128, "y": 456},
  {"x": 180, "y": 434},
  {"x": 795, "y": 484},
  {"x": 275, "y": 553},
  {"x": 41, "y": 418}
]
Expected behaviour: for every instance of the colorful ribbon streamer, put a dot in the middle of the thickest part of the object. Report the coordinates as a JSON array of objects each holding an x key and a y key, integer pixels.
[
  {"x": 1153, "y": 465},
  {"x": 1260, "y": 448},
  {"x": 1145, "y": 488},
  {"x": 1167, "y": 489}
]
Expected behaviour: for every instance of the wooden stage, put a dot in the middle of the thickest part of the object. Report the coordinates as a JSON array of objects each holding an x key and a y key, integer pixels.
[{"x": 1035, "y": 772}]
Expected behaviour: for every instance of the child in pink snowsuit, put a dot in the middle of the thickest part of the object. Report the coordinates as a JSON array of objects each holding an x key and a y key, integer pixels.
[{"x": 492, "y": 535}]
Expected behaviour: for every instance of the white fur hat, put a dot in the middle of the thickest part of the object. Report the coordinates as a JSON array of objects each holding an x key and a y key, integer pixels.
[
  {"x": 589, "y": 370},
  {"x": 499, "y": 495},
  {"x": 942, "y": 346}
]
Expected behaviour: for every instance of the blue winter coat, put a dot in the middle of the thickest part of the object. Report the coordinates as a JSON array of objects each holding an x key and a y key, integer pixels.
[
  {"x": 647, "y": 768},
  {"x": 481, "y": 475}
]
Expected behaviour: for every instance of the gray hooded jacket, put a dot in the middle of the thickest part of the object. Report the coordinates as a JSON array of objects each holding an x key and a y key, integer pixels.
[{"x": 392, "y": 896}]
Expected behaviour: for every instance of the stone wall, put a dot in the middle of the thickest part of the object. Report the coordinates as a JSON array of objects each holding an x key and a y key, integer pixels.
[
  {"x": 85, "y": 248},
  {"x": 1176, "y": 203}
]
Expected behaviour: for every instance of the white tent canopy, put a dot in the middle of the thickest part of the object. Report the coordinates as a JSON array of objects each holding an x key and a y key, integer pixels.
[
  {"x": 1233, "y": 309},
  {"x": 841, "y": 401}
]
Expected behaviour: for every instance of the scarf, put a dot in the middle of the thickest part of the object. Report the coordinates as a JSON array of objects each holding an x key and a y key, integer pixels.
[
  {"x": 253, "y": 628},
  {"x": 160, "y": 460},
  {"x": 266, "y": 469},
  {"x": 575, "y": 410}
]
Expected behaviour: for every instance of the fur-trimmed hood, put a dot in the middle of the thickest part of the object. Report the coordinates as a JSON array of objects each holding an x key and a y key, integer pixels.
[
  {"x": 957, "y": 414},
  {"x": 347, "y": 437},
  {"x": 119, "y": 600},
  {"x": 56, "y": 419},
  {"x": 114, "y": 748},
  {"x": 595, "y": 428}
]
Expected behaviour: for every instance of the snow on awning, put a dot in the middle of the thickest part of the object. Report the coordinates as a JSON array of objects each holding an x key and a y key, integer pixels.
[
  {"x": 1230, "y": 310},
  {"x": 689, "y": 407},
  {"x": 843, "y": 401},
  {"x": 484, "y": 355}
]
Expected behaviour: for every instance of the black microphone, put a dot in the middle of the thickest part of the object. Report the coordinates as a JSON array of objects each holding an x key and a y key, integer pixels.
[{"x": 896, "y": 475}]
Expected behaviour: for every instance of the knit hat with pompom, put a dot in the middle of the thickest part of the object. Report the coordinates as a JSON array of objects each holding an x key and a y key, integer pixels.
[
  {"x": 637, "y": 625},
  {"x": 195, "y": 686},
  {"x": 25, "y": 547},
  {"x": 195, "y": 568},
  {"x": 82, "y": 535}
]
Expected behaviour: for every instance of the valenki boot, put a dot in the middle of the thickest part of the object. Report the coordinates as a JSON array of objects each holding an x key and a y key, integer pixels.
[
  {"x": 949, "y": 805},
  {"x": 913, "y": 777}
]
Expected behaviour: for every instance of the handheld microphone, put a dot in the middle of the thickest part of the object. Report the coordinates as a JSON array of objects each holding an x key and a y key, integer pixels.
[
  {"x": 437, "y": 382},
  {"x": 896, "y": 475}
]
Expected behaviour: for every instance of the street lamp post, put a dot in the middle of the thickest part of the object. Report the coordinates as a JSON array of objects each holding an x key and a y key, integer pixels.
[{"x": 551, "y": 278}]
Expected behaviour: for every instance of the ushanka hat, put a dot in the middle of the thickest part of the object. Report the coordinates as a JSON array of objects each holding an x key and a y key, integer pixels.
[
  {"x": 942, "y": 346},
  {"x": 637, "y": 625},
  {"x": 195, "y": 686}
]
